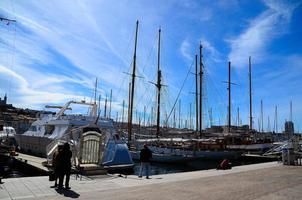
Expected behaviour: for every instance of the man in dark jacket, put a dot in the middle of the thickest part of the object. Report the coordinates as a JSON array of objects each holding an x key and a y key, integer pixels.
[
  {"x": 145, "y": 156},
  {"x": 64, "y": 159},
  {"x": 55, "y": 163}
]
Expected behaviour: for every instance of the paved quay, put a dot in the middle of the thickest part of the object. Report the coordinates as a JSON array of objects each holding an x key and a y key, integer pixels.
[{"x": 259, "y": 181}]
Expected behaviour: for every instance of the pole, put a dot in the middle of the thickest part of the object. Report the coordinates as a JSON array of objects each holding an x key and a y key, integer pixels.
[
  {"x": 276, "y": 119},
  {"x": 158, "y": 87},
  {"x": 238, "y": 119},
  {"x": 110, "y": 103},
  {"x": 190, "y": 123},
  {"x": 179, "y": 113},
  {"x": 200, "y": 90},
  {"x": 250, "y": 91},
  {"x": 262, "y": 116},
  {"x": 132, "y": 86},
  {"x": 123, "y": 112},
  {"x": 174, "y": 118},
  {"x": 229, "y": 107},
  {"x": 105, "y": 110},
  {"x": 151, "y": 116},
  {"x": 144, "y": 115},
  {"x": 196, "y": 92},
  {"x": 291, "y": 111},
  {"x": 95, "y": 89}
]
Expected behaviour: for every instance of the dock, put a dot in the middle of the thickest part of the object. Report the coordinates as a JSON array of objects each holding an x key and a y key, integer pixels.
[
  {"x": 258, "y": 181},
  {"x": 33, "y": 161}
]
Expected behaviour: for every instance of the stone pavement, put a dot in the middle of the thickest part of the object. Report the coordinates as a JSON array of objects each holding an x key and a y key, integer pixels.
[{"x": 258, "y": 181}]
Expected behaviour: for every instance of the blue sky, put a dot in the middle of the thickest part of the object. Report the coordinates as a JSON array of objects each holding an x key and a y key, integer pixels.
[{"x": 57, "y": 48}]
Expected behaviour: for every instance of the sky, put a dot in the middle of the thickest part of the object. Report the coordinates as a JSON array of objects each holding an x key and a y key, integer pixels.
[{"x": 57, "y": 49}]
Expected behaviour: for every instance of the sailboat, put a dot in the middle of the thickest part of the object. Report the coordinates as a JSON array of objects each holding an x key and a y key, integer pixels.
[{"x": 171, "y": 150}]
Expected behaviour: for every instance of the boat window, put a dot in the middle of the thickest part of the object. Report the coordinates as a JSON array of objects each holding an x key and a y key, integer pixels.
[
  {"x": 49, "y": 129},
  {"x": 32, "y": 128}
]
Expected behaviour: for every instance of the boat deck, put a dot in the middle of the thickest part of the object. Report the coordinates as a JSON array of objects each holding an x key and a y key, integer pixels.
[{"x": 258, "y": 181}]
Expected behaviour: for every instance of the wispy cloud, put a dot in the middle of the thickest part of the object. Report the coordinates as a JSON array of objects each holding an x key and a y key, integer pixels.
[
  {"x": 254, "y": 41},
  {"x": 185, "y": 49}
]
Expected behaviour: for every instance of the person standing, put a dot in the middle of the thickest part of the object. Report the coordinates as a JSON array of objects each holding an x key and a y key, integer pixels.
[
  {"x": 55, "y": 164},
  {"x": 145, "y": 156},
  {"x": 65, "y": 165}
]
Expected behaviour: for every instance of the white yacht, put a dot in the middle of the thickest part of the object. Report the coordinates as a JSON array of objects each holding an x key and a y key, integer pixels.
[{"x": 93, "y": 139}]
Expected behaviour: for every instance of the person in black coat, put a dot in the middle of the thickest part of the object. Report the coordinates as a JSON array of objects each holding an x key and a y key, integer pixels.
[
  {"x": 145, "y": 156},
  {"x": 55, "y": 163},
  {"x": 64, "y": 165}
]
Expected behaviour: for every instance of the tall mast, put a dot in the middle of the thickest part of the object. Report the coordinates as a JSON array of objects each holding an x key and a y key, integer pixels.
[
  {"x": 268, "y": 124},
  {"x": 144, "y": 115},
  {"x": 179, "y": 113},
  {"x": 117, "y": 119},
  {"x": 190, "y": 123},
  {"x": 132, "y": 86},
  {"x": 123, "y": 113},
  {"x": 261, "y": 116},
  {"x": 105, "y": 110},
  {"x": 110, "y": 103},
  {"x": 95, "y": 89},
  {"x": 196, "y": 92},
  {"x": 200, "y": 90},
  {"x": 211, "y": 116},
  {"x": 276, "y": 113},
  {"x": 250, "y": 86},
  {"x": 238, "y": 117},
  {"x": 151, "y": 118},
  {"x": 291, "y": 111},
  {"x": 174, "y": 118},
  {"x": 158, "y": 85},
  {"x": 229, "y": 107}
]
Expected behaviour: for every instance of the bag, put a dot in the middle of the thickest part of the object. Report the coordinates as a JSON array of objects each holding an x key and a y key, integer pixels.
[{"x": 52, "y": 176}]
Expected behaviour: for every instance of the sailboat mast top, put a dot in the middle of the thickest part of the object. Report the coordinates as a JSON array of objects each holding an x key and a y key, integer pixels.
[{"x": 132, "y": 86}]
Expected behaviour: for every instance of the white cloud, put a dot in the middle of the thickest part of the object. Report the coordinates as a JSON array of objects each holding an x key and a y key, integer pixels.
[
  {"x": 185, "y": 50},
  {"x": 34, "y": 98},
  {"x": 261, "y": 31}
]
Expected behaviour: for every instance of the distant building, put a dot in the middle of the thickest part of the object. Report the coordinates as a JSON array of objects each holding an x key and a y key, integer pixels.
[
  {"x": 289, "y": 129},
  {"x": 3, "y": 103}
]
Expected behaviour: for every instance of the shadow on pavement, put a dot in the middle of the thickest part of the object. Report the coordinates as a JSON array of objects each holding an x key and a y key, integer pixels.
[{"x": 68, "y": 193}]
